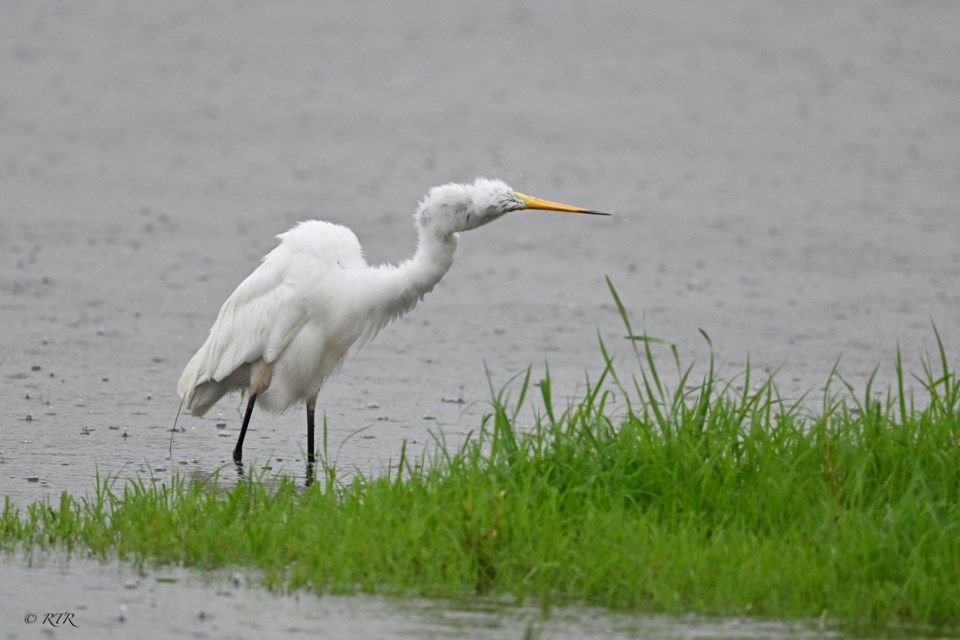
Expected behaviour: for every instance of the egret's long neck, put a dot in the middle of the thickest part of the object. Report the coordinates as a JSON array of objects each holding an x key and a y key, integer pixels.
[
  {"x": 395, "y": 289},
  {"x": 421, "y": 273}
]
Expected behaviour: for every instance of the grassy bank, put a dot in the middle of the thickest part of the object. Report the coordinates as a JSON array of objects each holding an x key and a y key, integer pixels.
[{"x": 704, "y": 499}]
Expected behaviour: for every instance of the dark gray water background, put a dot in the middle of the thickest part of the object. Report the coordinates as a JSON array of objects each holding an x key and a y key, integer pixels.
[{"x": 785, "y": 176}]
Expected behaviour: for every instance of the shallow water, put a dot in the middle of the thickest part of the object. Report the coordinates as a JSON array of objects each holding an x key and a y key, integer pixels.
[
  {"x": 784, "y": 176},
  {"x": 112, "y": 601}
]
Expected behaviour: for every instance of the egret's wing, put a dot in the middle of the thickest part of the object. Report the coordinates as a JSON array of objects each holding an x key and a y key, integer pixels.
[
  {"x": 247, "y": 328},
  {"x": 256, "y": 321},
  {"x": 269, "y": 308}
]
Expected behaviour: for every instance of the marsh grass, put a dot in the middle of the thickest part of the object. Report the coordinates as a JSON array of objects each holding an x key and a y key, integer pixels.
[{"x": 704, "y": 497}]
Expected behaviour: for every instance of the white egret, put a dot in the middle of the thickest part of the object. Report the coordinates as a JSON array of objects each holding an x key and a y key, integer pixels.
[{"x": 290, "y": 324}]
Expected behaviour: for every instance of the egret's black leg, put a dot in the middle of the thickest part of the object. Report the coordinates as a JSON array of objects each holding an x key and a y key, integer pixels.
[
  {"x": 238, "y": 450},
  {"x": 311, "y": 458}
]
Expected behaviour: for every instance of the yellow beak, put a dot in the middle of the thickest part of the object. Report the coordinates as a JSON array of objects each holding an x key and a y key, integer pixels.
[{"x": 546, "y": 205}]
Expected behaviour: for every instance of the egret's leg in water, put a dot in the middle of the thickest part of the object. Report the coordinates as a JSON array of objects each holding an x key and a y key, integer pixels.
[
  {"x": 238, "y": 450},
  {"x": 311, "y": 457},
  {"x": 311, "y": 407}
]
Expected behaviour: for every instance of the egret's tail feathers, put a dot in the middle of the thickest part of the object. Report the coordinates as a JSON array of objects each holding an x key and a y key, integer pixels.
[
  {"x": 200, "y": 393},
  {"x": 205, "y": 396},
  {"x": 201, "y": 397},
  {"x": 189, "y": 380}
]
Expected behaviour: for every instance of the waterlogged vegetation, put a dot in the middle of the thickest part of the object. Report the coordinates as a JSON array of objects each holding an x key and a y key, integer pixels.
[{"x": 705, "y": 496}]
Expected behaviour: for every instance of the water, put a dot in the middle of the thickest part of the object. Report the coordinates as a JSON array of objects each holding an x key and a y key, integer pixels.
[
  {"x": 112, "y": 601},
  {"x": 784, "y": 176}
]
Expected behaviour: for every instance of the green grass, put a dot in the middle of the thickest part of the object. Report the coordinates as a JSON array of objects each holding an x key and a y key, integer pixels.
[{"x": 700, "y": 497}]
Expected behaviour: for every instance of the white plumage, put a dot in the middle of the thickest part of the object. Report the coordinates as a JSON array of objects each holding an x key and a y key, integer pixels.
[
  {"x": 268, "y": 323},
  {"x": 292, "y": 321}
]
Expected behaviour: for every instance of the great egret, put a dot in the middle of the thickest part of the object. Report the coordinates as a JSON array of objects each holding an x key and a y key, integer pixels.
[{"x": 291, "y": 322}]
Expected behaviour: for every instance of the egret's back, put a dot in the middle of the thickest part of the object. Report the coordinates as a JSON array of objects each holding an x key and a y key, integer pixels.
[{"x": 285, "y": 301}]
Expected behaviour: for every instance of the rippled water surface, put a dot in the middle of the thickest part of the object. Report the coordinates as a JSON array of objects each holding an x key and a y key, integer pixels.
[{"x": 784, "y": 176}]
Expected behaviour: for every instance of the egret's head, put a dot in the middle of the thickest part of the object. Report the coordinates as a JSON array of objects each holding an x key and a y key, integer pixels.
[{"x": 452, "y": 208}]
